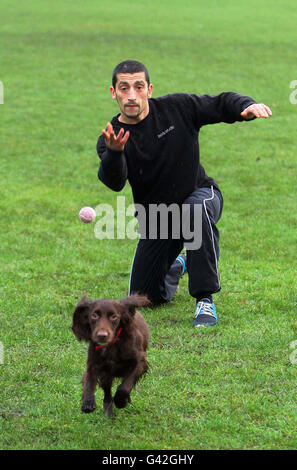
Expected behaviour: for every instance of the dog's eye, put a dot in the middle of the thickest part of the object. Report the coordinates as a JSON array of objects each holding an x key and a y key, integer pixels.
[
  {"x": 113, "y": 316},
  {"x": 94, "y": 316}
]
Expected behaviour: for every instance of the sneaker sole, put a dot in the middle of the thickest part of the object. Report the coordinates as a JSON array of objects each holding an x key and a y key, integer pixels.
[{"x": 205, "y": 324}]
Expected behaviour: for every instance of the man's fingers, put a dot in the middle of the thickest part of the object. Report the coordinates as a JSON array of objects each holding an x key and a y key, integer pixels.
[
  {"x": 126, "y": 137},
  {"x": 108, "y": 133},
  {"x": 258, "y": 110},
  {"x": 250, "y": 114},
  {"x": 115, "y": 142},
  {"x": 263, "y": 112},
  {"x": 112, "y": 134},
  {"x": 113, "y": 137},
  {"x": 246, "y": 112},
  {"x": 268, "y": 110},
  {"x": 122, "y": 138},
  {"x": 120, "y": 135},
  {"x": 109, "y": 127},
  {"x": 105, "y": 134}
]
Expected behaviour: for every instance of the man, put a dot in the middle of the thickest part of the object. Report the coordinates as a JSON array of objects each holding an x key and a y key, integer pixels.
[{"x": 154, "y": 144}]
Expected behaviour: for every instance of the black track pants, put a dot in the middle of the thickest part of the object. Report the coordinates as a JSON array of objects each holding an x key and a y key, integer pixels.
[{"x": 155, "y": 271}]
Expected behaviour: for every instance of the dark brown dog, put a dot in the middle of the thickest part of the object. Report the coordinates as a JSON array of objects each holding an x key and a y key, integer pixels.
[{"x": 118, "y": 337}]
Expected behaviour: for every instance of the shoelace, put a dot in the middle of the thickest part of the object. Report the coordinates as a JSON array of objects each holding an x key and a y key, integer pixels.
[{"x": 205, "y": 308}]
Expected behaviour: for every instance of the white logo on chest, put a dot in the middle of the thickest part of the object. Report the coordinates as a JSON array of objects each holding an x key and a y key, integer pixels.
[{"x": 165, "y": 132}]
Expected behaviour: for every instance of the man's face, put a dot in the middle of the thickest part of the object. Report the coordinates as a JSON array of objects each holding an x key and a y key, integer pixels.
[{"x": 132, "y": 93}]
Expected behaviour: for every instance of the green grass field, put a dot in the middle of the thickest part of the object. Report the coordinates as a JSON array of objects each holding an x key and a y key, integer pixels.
[{"x": 228, "y": 387}]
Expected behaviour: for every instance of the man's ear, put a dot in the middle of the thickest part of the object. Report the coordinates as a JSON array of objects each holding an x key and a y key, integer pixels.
[
  {"x": 113, "y": 93},
  {"x": 150, "y": 91}
]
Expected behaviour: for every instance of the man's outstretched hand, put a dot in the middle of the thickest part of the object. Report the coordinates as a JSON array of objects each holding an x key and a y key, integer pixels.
[
  {"x": 258, "y": 110},
  {"x": 113, "y": 142}
]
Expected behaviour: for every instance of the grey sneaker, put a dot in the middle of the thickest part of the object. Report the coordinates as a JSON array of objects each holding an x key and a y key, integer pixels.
[{"x": 205, "y": 314}]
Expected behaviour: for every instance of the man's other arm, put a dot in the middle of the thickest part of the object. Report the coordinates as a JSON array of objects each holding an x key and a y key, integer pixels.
[
  {"x": 226, "y": 107},
  {"x": 113, "y": 170}
]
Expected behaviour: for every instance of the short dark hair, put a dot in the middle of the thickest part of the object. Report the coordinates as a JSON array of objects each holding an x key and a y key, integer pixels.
[{"x": 129, "y": 66}]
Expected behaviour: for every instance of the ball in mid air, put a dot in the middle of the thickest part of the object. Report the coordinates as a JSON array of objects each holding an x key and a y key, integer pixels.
[{"x": 87, "y": 215}]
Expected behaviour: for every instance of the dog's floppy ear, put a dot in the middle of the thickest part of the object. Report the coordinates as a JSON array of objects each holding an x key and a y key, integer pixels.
[
  {"x": 81, "y": 327},
  {"x": 130, "y": 303}
]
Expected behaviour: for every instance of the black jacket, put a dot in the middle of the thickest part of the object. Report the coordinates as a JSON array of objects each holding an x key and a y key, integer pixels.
[{"x": 161, "y": 157}]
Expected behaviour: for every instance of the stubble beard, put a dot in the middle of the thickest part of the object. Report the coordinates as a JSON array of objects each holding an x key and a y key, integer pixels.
[{"x": 134, "y": 112}]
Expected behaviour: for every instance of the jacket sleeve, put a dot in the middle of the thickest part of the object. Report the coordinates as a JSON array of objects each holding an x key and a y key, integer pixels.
[
  {"x": 113, "y": 170},
  {"x": 225, "y": 107}
]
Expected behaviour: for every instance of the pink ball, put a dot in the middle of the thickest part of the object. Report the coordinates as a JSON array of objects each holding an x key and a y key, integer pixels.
[{"x": 87, "y": 215}]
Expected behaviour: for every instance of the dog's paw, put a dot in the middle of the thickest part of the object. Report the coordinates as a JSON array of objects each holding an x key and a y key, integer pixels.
[
  {"x": 88, "y": 406},
  {"x": 121, "y": 398}
]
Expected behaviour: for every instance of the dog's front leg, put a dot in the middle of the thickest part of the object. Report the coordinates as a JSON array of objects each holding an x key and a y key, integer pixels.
[
  {"x": 106, "y": 383},
  {"x": 89, "y": 385},
  {"x": 122, "y": 396}
]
